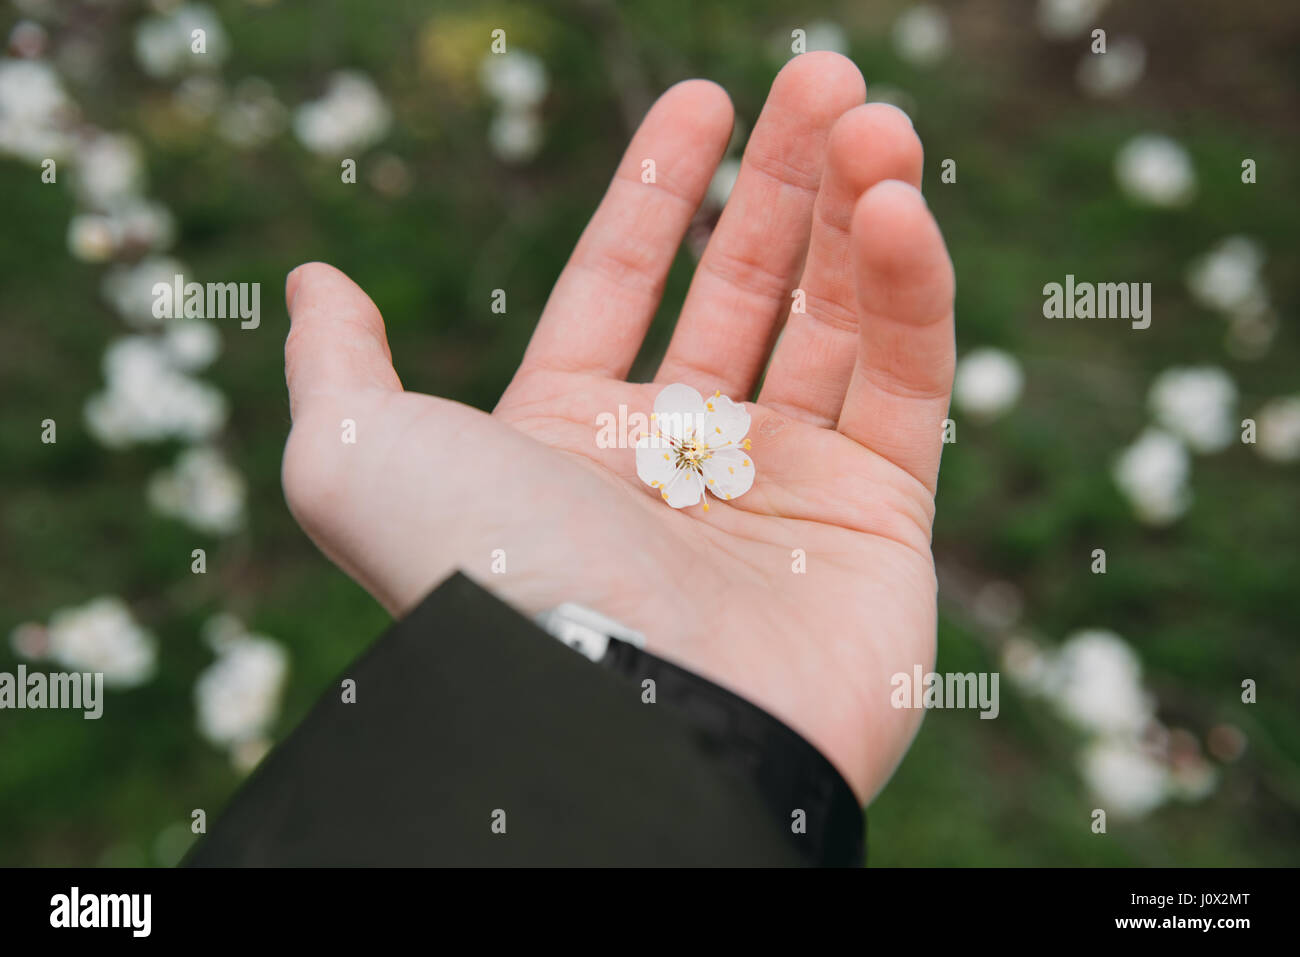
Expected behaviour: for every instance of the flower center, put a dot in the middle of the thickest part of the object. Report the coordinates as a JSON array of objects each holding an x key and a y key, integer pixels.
[{"x": 691, "y": 454}]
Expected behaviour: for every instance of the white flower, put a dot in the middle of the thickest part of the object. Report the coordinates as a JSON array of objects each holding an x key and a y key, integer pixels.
[
  {"x": 987, "y": 383},
  {"x": 1114, "y": 72},
  {"x": 202, "y": 490},
  {"x": 1128, "y": 781},
  {"x": 515, "y": 136},
  {"x": 101, "y": 636},
  {"x": 28, "y": 39},
  {"x": 724, "y": 181},
  {"x": 129, "y": 289},
  {"x": 1196, "y": 404},
  {"x": 34, "y": 111},
  {"x": 826, "y": 35},
  {"x": 1063, "y": 19},
  {"x": 192, "y": 344},
  {"x": 1152, "y": 473},
  {"x": 132, "y": 224},
  {"x": 1096, "y": 684},
  {"x": 1278, "y": 429},
  {"x": 352, "y": 115},
  {"x": 109, "y": 170},
  {"x": 517, "y": 80},
  {"x": 1229, "y": 277},
  {"x": 695, "y": 445},
  {"x": 148, "y": 398},
  {"x": 91, "y": 238},
  {"x": 238, "y": 695},
  {"x": 921, "y": 35},
  {"x": 164, "y": 45},
  {"x": 1155, "y": 170}
]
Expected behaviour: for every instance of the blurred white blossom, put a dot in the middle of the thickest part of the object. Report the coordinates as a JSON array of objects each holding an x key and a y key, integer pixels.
[
  {"x": 1230, "y": 276},
  {"x": 1277, "y": 425},
  {"x": 192, "y": 344},
  {"x": 515, "y": 136},
  {"x": 352, "y": 115},
  {"x": 99, "y": 636},
  {"x": 1197, "y": 404},
  {"x": 148, "y": 397},
  {"x": 130, "y": 226},
  {"x": 165, "y": 44},
  {"x": 517, "y": 80},
  {"x": 202, "y": 490},
  {"x": 1152, "y": 473},
  {"x": 109, "y": 170},
  {"x": 129, "y": 289},
  {"x": 34, "y": 111},
  {"x": 826, "y": 35},
  {"x": 724, "y": 180},
  {"x": 91, "y": 238},
  {"x": 1096, "y": 684},
  {"x": 28, "y": 39},
  {"x": 1128, "y": 781},
  {"x": 1064, "y": 19},
  {"x": 1114, "y": 72},
  {"x": 987, "y": 383},
  {"x": 1155, "y": 170},
  {"x": 921, "y": 35},
  {"x": 238, "y": 696}
]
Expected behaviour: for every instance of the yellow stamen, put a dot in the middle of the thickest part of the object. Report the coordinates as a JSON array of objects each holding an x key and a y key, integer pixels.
[{"x": 706, "y": 506}]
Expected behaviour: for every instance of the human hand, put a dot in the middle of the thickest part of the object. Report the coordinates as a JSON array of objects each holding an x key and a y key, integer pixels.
[{"x": 846, "y": 432}]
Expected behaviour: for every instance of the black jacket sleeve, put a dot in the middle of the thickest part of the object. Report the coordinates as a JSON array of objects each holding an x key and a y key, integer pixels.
[{"x": 476, "y": 738}]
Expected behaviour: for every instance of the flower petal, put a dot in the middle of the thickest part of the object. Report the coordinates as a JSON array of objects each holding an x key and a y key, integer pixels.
[
  {"x": 725, "y": 422},
  {"x": 656, "y": 465},
  {"x": 686, "y": 488},
  {"x": 679, "y": 411},
  {"x": 729, "y": 473}
]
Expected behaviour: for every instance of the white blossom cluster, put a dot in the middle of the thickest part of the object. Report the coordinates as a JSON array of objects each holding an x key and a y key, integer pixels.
[
  {"x": 99, "y": 636},
  {"x": 517, "y": 83},
  {"x": 1129, "y": 760},
  {"x": 352, "y": 115},
  {"x": 237, "y": 697}
]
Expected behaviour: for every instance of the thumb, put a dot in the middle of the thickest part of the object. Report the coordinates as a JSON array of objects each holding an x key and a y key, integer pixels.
[{"x": 336, "y": 337}]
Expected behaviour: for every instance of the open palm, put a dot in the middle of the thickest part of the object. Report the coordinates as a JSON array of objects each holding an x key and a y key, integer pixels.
[{"x": 804, "y": 595}]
